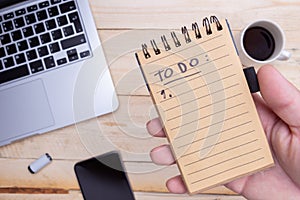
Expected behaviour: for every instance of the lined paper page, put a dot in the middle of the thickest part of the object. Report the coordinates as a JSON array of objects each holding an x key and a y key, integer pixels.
[{"x": 208, "y": 114}]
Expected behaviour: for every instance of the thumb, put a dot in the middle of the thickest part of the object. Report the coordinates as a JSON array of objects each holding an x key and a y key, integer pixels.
[
  {"x": 284, "y": 100},
  {"x": 280, "y": 95}
]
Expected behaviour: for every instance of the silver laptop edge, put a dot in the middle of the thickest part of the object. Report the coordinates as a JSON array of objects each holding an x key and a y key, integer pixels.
[{"x": 73, "y": 93}]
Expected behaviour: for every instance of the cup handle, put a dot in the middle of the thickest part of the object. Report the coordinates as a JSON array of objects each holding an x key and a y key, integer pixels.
[{"x": 285, "y": 55}]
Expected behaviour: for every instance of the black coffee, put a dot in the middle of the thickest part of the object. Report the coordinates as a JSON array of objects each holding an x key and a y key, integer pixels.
[{"x": 259, "y": 43}]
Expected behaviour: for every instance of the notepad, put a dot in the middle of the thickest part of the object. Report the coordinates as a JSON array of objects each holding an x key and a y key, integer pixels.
[{"x": 197, "y": 84}]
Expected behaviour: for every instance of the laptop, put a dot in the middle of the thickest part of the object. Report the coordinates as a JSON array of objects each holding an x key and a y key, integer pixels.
[{"x": 53, "y": 71}]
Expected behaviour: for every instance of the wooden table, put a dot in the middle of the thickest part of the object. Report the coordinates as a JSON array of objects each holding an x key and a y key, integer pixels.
[{"x": 123, "y": 25}]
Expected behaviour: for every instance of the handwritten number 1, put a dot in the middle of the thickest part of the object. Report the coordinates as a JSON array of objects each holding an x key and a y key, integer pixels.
[{"x": 163, "y": 93}]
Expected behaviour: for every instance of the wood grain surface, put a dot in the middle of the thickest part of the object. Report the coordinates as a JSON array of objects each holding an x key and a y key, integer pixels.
[{"x": 123, "y": 26}]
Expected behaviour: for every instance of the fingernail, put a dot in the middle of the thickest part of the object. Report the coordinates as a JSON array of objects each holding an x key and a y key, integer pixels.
[
  {"x": 148, "y": 123},
  {"x": 162, "y": 155}
]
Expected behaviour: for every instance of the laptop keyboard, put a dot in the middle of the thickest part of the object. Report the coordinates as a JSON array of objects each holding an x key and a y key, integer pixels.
[{"x": 40, "y": 37}]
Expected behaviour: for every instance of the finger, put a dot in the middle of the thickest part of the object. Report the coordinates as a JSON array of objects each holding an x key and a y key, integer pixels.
[
  {"x": 238, "y": 185},
  {"x": 162, "y": 155},
  {"x": 176, "y": 185},
  {"x": 154, "y": 127},
  {"x": 280, "y": 95}
]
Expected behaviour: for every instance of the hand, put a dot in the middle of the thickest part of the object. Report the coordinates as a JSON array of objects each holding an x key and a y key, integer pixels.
[{"x": 279, "y": 111}]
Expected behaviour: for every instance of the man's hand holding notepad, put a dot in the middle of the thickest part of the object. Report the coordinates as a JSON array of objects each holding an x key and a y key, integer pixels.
[{"x": 197, "y": 84}]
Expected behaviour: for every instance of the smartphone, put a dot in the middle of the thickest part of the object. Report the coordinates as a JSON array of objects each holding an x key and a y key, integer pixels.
[{"x": 103, "y": 177}]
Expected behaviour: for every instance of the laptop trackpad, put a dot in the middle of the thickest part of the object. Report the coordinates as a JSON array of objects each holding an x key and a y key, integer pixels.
[{"x": 24, "y": 109}]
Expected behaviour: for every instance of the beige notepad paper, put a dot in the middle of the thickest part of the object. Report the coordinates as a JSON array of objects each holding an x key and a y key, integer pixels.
[{"x": 197, "y": 84}]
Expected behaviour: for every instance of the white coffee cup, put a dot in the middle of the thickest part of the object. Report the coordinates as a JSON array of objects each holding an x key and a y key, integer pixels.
[{"x": 272, "y": 32}]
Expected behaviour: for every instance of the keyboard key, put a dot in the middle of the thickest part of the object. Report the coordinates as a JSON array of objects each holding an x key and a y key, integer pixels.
[
  {"x": 44, "y": 4},
  {"x": 49, "y": 62},
  {"x": 74, "y": 41},
  {"x": 68, "y": 30},
  {"x": 0, "y": 30},
  {"x": 30, "y": 19},
  {"x": 56, "y": 34},
  {"x": 0, "y": 18},
  {"x": 32, "y": 8},
  {"x": 36, "y": 66},
  {"x": 28, "y": 31},
  {"x": 34, "y": 42},
  {"x": 72, "y": 55},
  {"x": 14, "y": 73},
  {"x": 45, "y": 38},
  {"x": 5, "y": 39},
  {"x": 20, "y": 12},
  {"x": 20, "y": 58},
  {"x": 2, "y": 52},
  {"x": 55, "y": 1},
  {"x": 8, "y": 16},
  {"x": 42, "y": 15},
  {"x": 31, "y": 55},
  {"x": 8, "y": 62},
  {"x": 66, "y": 7},
  {"x": 1, "y": 65},
  {"x": 53, "y": 11},
  {"x": 61, "y": 61},
  {"x": 19, "y": 22},
  {"x": 39, "y": 28},
  {"x": 43, "y": 51},
  {"x": 16, "y": 35},
  {"x": 50, "y": 24},
  {"x": 61, "y": 21},
  {"x": 74, "y": 18},
  {"x": 85, "y": 54},
  {"x": 11, "y": 49},
  {"x": 7, "y": 26},
  {"x": 54, "y": 47},
  {"x": 22, "y": 45}
]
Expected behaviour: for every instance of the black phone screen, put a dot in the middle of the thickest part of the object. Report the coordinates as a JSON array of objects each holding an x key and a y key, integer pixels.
[{"x": 103, "y": 177}]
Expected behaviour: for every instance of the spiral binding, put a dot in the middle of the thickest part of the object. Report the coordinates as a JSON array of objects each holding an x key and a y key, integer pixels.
[
  {"x": 186, "y": 34},
  {"x": 155, "y": 48},
  {"x": 175, "y": 39},
  {"x": 206, "y": 23},
  {"x": 165, "y": 42},
  {"x": 214, "y": 19},
  {"x": 196, "y": 29}
]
